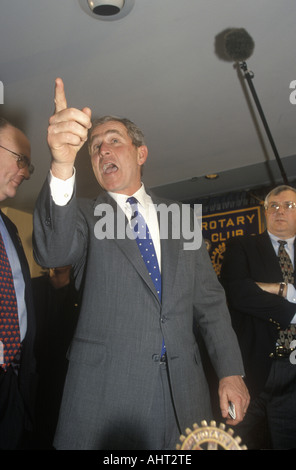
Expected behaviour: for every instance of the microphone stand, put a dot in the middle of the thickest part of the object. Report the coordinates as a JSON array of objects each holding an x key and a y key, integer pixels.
[{"x": 249, "y": 76}]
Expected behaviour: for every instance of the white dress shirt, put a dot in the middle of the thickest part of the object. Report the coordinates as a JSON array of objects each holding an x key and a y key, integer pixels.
[{"x": 62, "y": 191}]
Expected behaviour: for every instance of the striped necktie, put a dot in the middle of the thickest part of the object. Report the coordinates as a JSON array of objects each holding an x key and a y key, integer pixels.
[{"x": 9, "y": 322}]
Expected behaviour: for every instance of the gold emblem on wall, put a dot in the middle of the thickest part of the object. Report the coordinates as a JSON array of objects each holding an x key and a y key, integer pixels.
[
  {"x": 217, "y": 256},
  {"x": 219, "y": 227}
]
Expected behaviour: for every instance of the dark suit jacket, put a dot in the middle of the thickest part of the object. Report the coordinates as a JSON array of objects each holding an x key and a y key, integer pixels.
[
  {"x": 27, "y": 378},
  {"x": 56, "y": 318},
  {"x": 256, "y": 315},
  {"x": 114, "y": 356}
]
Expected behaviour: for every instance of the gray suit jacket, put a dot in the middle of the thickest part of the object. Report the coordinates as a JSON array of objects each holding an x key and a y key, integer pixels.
[{"x": 115, "y": 351}]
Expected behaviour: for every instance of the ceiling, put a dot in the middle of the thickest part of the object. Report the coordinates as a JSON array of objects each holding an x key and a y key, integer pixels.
[{"x": 162, "y": 66}]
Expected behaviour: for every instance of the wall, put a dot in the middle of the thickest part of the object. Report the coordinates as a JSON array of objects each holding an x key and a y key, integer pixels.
[{"x": 24, "y": 223}]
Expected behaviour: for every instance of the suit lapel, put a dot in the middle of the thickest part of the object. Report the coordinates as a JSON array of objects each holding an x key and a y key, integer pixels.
[
  {"x": 169, "y": 260},
  {"x": 128, "y": 246},
  {"x": 269, "y": 256},
  {"x": 13, "y": 233}
]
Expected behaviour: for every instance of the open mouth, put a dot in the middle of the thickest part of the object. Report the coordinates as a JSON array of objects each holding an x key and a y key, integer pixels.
[{"x": 109, "y": 168}]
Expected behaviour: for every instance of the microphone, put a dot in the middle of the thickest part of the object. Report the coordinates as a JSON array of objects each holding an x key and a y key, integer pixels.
[{"x": 239, "y": 46}]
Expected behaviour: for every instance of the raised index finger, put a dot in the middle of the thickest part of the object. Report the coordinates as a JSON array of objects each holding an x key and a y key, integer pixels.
[{"x": 59, "y": 96}]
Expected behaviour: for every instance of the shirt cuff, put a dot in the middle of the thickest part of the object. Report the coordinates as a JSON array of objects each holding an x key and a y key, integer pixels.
[
  {"x": 291, "y": 297},
  {"x": 61, "y": 190},
  {"x": 291, "y": 293}
]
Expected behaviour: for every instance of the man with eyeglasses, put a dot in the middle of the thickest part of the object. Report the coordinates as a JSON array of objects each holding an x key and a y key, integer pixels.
[
  {"x": 16, "y": 302},
  {"x": 262, "y": 301}
]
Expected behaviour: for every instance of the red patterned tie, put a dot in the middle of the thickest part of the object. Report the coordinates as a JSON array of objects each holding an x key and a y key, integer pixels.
[{"x": 9, "y": 322}]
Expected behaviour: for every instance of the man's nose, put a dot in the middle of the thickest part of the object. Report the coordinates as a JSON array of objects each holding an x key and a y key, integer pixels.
[
  {"x": 104, "y": 149},
  {"x": 25, "y": 173},
  {"x": 282, "y": 208}
]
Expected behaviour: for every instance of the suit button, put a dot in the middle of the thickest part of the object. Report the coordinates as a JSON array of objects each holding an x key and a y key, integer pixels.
[
  {"x": 155, "y": 357},
  {"x": 48, "y": 221}
]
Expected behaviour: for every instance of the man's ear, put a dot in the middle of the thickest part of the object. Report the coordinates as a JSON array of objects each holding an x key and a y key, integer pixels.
[{"x": 142, "y": 154}]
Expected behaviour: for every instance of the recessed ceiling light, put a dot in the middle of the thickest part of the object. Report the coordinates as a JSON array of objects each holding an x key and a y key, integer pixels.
[
  {"x": 107, "y": 10},
  {"x": 105, "y": 7},
  {"x": 212, "y": 176}
]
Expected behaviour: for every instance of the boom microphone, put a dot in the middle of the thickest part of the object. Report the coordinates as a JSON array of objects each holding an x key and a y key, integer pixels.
[{"x": 239, "y": 45}]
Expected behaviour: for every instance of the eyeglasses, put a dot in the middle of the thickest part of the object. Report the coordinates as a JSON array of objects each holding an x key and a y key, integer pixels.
[
  {"x": 21, "y": 160},
  {"x": 286, "y": 206}
]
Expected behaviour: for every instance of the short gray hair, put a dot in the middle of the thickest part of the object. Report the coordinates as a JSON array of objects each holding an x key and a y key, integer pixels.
[{"x": 278, "y": 190}]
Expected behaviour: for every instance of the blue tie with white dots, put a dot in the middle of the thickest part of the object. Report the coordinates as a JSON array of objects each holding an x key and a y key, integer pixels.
[
  {"x": 145, "y": 244},
  {"x": 146, "y": 247}
]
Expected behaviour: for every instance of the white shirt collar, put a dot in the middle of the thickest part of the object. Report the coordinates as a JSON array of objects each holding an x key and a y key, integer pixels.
[
  {"x": 274, "y": 240},
  {"x": 142, "y": 197}
]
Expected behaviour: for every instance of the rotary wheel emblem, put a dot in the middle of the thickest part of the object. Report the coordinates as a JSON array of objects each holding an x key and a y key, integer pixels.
[
  {"x": 217, "y": 257},
  {"x": 210, "y": 437}
]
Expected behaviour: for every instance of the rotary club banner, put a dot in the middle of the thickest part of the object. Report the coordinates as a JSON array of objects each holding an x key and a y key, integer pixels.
[{"x": 218, "y": 228}]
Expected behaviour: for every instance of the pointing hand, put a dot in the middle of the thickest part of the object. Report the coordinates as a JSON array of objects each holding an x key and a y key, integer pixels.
[{"x": 67, "y": 132}]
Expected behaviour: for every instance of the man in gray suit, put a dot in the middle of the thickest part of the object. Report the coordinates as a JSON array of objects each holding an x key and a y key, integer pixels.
[{"x": 123, "y": 391}]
